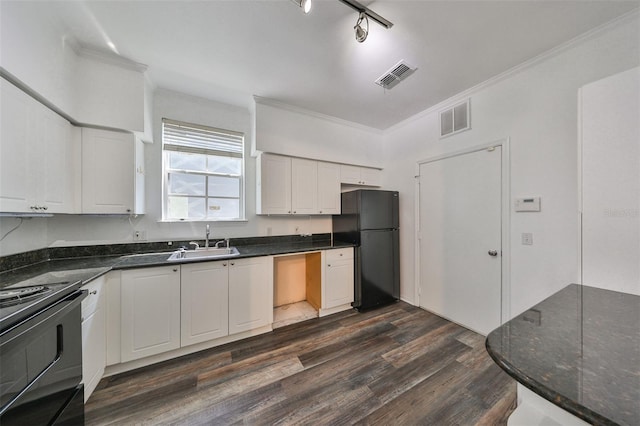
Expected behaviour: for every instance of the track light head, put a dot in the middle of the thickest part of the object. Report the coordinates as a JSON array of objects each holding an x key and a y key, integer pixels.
[
  {"x": 361, "y": 33},
  {"x": 304, "y": 4}
]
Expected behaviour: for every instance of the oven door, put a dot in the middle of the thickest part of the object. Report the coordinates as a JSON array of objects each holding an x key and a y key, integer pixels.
[{"x": 41, "y": 366}]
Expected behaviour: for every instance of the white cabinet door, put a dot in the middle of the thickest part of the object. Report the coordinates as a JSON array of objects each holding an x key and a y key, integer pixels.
[
  {"x": 16, "y": 130},
  {"x": 150, "y": 304},
  {"x": 57, "y": 169},
  {"x": 355, "y": 175},
  {"x": 370, "y": 177},
  {"x": 350, "y": 174},
  {"x": 112, "y": 180},
  {"x": 304, "y": 186},
  {"x": 37, "y": 167},
  {"x": 338, "y": 278},
  {"x": 205, "y": 302},
  {"x": 93, "y": 336},
  {"x": 273, "y": 184},
  {"x": 250, "y": 293},
  {"x": 328, "y": 188}
]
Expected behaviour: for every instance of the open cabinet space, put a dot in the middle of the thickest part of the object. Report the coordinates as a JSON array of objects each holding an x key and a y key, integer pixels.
[{"x": 297, "y": 292}]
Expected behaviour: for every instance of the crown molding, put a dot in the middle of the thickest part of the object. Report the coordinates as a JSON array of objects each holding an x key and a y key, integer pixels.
[
  {"x": 329, "y": 118},
  {"x": 108, "y": 57},
  {"x": 530, "y": 63}
]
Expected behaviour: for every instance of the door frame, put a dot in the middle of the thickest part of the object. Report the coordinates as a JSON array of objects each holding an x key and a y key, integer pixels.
[{"x": 505, "y": 288}]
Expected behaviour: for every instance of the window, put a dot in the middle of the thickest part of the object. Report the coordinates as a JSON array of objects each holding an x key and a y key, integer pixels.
[{"x": 203, "y": 172}]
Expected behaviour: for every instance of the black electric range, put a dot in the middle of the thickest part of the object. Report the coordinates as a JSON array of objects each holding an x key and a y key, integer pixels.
[
  {"x": 20, "y": 302},
  {"x": 41, "y": 348}
]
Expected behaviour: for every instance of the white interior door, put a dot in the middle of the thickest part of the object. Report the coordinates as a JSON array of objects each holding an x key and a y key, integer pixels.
[{"x": 460, "y": 238}]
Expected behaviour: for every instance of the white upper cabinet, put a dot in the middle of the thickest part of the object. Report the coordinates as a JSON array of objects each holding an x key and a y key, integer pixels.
[
  {"x": 304, "y": 184},
  {"x": 288, "y": 185},
  {"x": 37, "y": 156},
  {"x": 273, "y": 178},
  {"x": 328, "y": 188},
  {"x": 356, "y": 175},
  {"x": 112, "y": 173}
]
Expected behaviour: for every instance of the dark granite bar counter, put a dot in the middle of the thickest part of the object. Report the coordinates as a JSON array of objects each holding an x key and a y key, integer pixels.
[
  {"x": 85, "y": 263},
  {"x": 579, "y": 349}
]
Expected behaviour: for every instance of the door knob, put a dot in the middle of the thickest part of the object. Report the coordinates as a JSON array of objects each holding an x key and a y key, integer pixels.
[{"x": 493, "y": 252}]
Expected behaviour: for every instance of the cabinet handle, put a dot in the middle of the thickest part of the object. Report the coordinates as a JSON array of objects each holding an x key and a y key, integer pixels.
[
  {"x": 224, "y": 264},
  {"x": 45, "y": 208},
  {"x": 320, "y": 211},
  {"x": 175, "y": 269},
  {"x": 289, "y": 211},
  {"x": 294, "y": 212},
  {"x": 93, "y": 292},
  {"x": 340, "y": 254},
  {"x": 329, "y": 265},
  {"x": 128, "y": 210}
]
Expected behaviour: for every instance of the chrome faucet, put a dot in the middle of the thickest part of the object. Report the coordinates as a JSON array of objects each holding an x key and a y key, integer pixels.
[
  {"x": 206, "y": 241},
  {"x": 226, "y": 241},
  {"x": 195, "y": 245}
]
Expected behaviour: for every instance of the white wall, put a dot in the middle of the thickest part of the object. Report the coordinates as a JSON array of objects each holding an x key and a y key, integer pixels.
[
  {"x": 36, "y": 51},
  {"x": 610, "y": 178},
  {"x": 299, "y": 133},
  {"x": 536, "y": 107},
  {"x": 89, "y": 87},
  {"x": 29, "y": 235},
  {"x": 73, "y": 229}
]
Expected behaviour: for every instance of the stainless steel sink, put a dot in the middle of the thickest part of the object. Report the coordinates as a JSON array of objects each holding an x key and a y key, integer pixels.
[{"x": 203, "y": 253}]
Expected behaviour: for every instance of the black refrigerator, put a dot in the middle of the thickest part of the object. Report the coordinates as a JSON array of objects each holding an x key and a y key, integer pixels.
[{"x": 369, "y": 219}]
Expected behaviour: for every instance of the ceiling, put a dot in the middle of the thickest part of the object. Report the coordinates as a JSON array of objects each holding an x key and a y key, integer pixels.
[{"x": 231, "y": 50}]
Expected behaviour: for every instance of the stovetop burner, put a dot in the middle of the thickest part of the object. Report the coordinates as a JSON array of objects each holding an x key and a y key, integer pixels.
[
  {"x": 18, "y": 295},
  {"x": 18, "y": 302}
]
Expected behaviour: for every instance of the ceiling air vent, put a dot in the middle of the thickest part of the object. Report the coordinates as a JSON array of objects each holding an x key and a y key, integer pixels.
[{"x": 395, "y": 75}]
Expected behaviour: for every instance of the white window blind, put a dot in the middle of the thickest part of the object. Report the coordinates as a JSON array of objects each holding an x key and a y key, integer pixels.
[
  {"x": 186, "y": 137},
  {"x": 203, "y": 169}
]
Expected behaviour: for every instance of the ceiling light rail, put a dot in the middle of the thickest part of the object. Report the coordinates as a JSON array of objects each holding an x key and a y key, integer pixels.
[
  {"x": 368, "y": 12},
  {"x": 305, "y": 5}
]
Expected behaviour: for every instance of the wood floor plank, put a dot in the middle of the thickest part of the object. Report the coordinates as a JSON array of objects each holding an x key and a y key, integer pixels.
[{"x": 394, "y": 365}]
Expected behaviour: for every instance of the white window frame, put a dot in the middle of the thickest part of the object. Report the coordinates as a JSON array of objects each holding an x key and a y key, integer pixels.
[{"x": 202, "y": 150}]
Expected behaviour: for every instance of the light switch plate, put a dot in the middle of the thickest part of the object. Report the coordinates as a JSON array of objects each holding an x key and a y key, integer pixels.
[{"x": 527, "y": 239}]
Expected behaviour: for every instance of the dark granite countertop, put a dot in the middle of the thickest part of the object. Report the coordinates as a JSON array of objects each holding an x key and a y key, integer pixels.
[
  {"x": 85, "y": 263},
  {"x": 579, "y": 349}
]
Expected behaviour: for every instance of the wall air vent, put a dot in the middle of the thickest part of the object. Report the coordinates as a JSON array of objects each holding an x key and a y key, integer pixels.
[
  {"x": 455, "y": 119},
  {"x": 395, "y": 75}
]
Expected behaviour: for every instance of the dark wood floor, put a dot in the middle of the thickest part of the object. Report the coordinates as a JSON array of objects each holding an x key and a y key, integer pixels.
[{"x": 395, "y": 365}]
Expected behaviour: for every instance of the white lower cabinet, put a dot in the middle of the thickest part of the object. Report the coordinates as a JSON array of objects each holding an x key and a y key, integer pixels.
[
  {"x": 150, "y": 311},
  {"x": 159, "y": 309},
  {"x": 204, "y": 302},
  {"x": 337, "y": 279},
  {"x": 250, "y": 293},
  {"x": 93, "y": 335}
]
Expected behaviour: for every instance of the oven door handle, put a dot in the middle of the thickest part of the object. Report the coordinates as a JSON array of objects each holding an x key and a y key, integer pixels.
[{"x": 60, "y": 308}]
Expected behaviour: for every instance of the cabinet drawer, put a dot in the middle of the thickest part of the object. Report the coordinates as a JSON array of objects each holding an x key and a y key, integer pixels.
[
  {"x": 339, "y": 254},
  {"x": 90, "y": 303}
]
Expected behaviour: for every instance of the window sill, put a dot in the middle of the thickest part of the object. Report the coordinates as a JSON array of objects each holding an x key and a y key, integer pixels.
[{"x": 202, "y": 220}]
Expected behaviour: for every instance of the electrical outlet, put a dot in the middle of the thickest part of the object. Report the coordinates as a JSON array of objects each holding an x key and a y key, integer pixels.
[
  {"x": 527, "y": 239},
  {"x": 139, "y": 235}
]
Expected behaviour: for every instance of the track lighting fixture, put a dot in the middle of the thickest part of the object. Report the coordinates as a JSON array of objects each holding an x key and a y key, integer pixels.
[
  {"x": 361, "y": 33},
  {"x": 353, "y": 4},
  {"x": 304, "y": 4}
]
